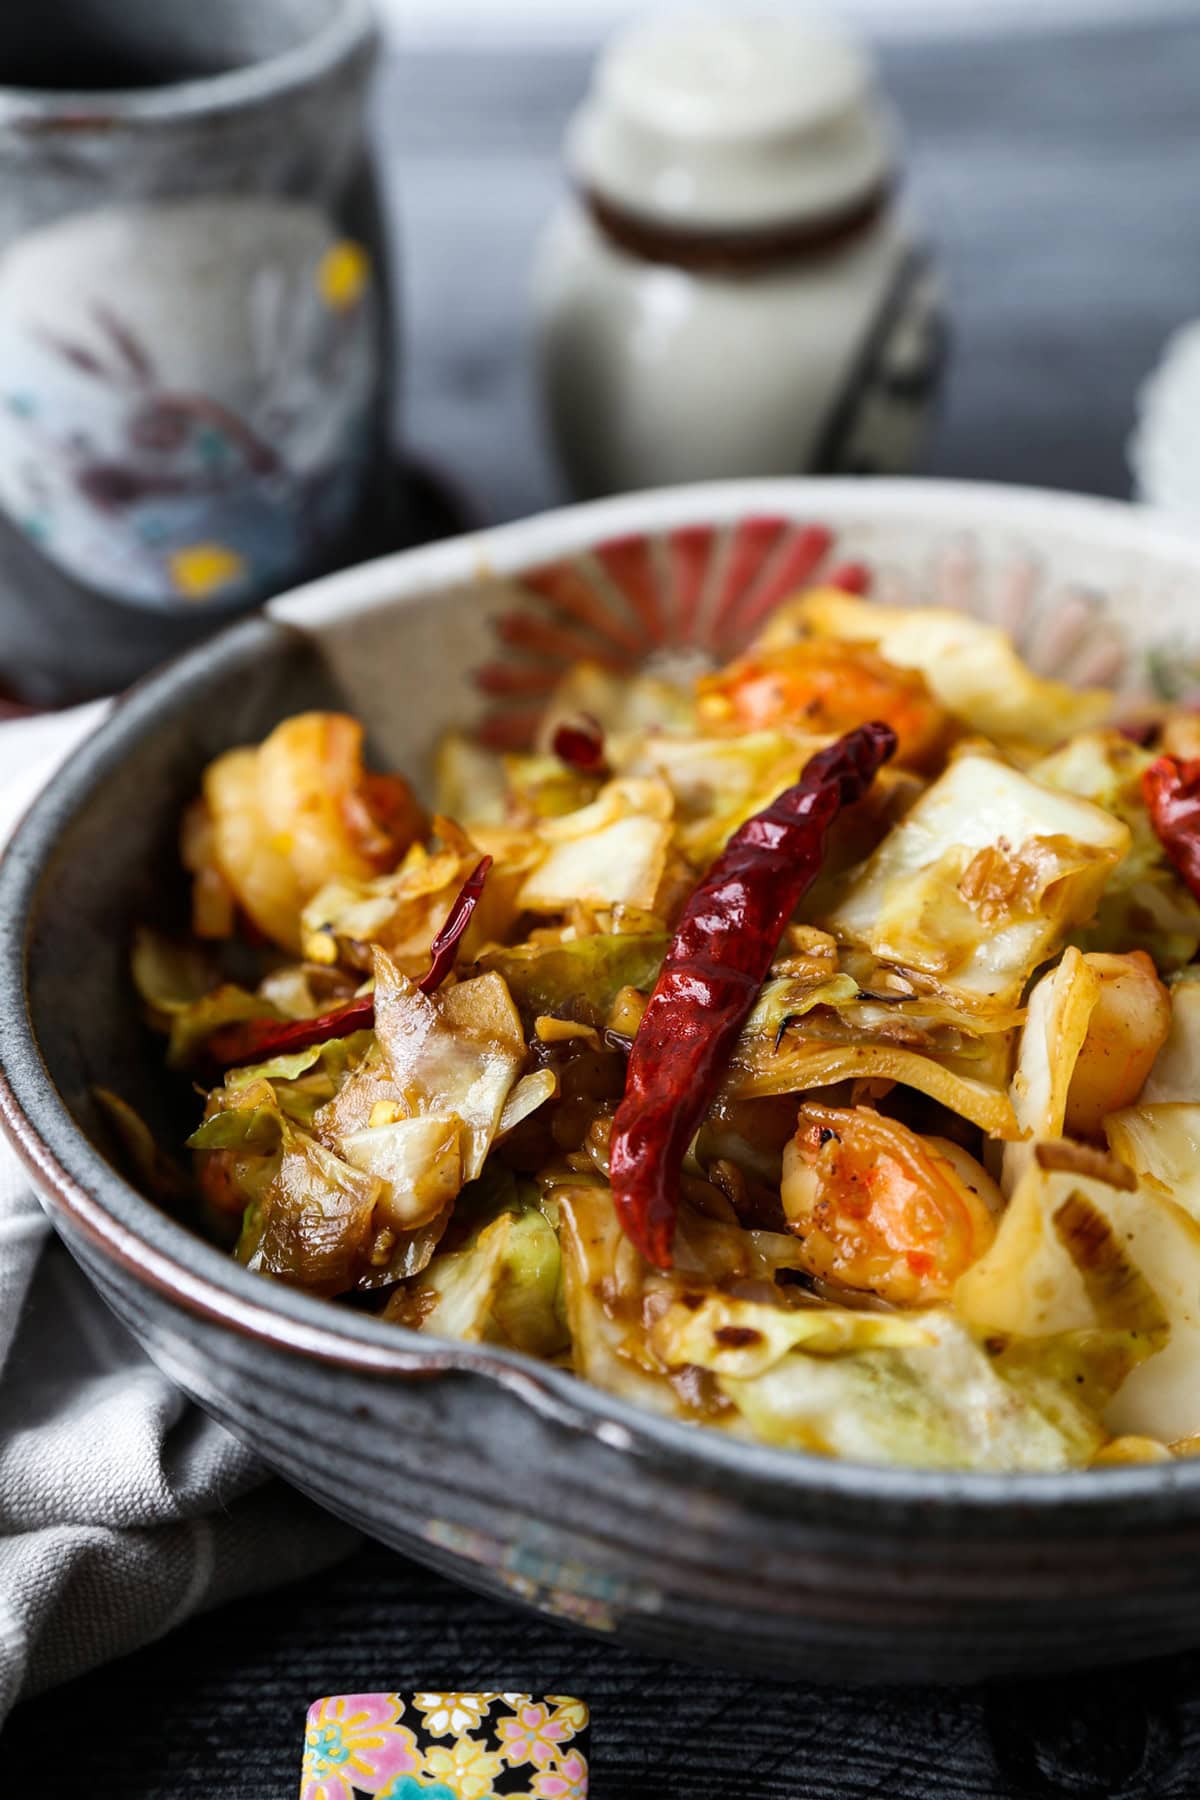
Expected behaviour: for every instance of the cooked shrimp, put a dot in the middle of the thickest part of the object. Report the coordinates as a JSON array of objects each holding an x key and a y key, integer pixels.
[
  {"x": 826, "y": 686},
  {"x": 1128, "y": 1027},
  {"x": 296, "y": 813},
  {"x": 881, "y": 1209}
]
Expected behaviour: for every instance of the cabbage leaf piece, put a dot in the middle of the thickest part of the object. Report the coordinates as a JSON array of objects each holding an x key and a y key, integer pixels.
[
  {"x": 612, "y": 852},
  {"x": 279, "y": 1068},
  {"x": 1075, "y": 1254},
  {"x": 940, "y": 1403},
  {"x": 618, "y": 701},
  {"x": 806, "y": 1034},
  {"x": 980, "y": 881},
  {"x": 169, "y": 976},
  {"x": 533, "y": 1090},
  {"x": 147, "y": 1162},
  {"x": 418, "y": 1163},
  {"x": 299, "y": 1084},
  {"x": 718, "y": 782},
  {"x": 1175, "y": 1074},
  {"x": 1145, "y": 905},
  {"x": 457, "y": 1052},
  {"x": 1160, "y": 1141},
  {"x": 743, "y": 1338},
  {"x": 255, "y": 1126},
  {"x": 503, "y": 1286},
  {"x": 971, "y": 667},
  {"x": 192, "y": 1025},
  {"x": 578, "y": 978},
  {"x": 1056, "y": 1024},
  {"x": 468, "y": 780},
  {"x": 311, "y": 1223},
  {"x": 604, "y": 1286},
  {"x": 403, "y": 911}
]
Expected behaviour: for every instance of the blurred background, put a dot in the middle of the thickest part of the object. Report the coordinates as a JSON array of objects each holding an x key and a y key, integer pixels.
[
  {"x": 445, "y": 20},
  {"x": 738, "y": 254},
  {"x": 1050, "y": 151}
]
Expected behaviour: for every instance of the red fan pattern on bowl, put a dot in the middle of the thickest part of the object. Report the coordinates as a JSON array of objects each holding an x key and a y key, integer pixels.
[{"x": 694, "y": 596}]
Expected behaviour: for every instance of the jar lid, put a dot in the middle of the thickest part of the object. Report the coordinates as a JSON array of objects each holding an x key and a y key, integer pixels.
[{"x": 732, "y": 119}]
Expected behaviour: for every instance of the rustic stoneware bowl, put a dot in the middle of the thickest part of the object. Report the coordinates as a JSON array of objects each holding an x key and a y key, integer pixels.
[{"x": 511, "y": 1476}]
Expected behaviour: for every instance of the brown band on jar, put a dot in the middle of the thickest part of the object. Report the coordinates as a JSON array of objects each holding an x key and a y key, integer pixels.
[{"x": 720, "y": 250}]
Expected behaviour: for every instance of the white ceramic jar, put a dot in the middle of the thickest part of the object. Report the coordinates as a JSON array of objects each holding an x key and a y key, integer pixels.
[{"x": 730, "y": 289}]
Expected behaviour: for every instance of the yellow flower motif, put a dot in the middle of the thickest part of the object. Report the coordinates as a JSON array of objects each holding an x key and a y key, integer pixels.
[
  {"x": 466, "y": 1767},
  {"x": 342, "y": 275},
  {"x": 200, "y": 569},
  {"x": 451, "y": 1714},
  {"x": 572, "y": 1712}
]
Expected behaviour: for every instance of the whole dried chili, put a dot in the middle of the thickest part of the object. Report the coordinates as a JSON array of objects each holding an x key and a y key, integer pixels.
[
  {"x": 719, "y": 958},
  {"x": 254, "y": 1040},
  {"x": 1171, "y": 788}
]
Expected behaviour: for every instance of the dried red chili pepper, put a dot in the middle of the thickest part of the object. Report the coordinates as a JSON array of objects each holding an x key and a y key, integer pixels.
[
  {"x": 445, "y": 945},
  {"x": 1171, "y": 788},
  {"x": 254, "y": 1040},
  {"x": 719, "y": 958},
  {"x": 579, "y": 742}
]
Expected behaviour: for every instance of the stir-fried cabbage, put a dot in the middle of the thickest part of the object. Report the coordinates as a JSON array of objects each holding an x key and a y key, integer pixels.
[
  {"x": 456, "y": 1054},
  {"x": 604, "y": 1289},
  {"x": 503, "y": 1286},
  {"x": 578, "y": 978},
  {"x": 1079, "y": 1254},
  {"x": 402, "y": 912},
  {"x": 1145, "y": 906},
  {"x": 981, "y": 880},
  {"x": 612, "y": 852},
  {"x": 971, "y": 666},
  {"x": 1175, "y": 1072},
  {"x": 944, "y": 1206},
  {"x": 1060, "y": 1008},
  {"x": 939, "y": 1404}
]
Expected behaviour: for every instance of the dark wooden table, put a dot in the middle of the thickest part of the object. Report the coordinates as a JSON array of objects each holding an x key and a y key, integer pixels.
[{"x": 1061, "y": 177}]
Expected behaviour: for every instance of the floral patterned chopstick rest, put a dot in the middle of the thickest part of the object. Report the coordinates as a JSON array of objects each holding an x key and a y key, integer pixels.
[{"x": 445, "y": 1747}]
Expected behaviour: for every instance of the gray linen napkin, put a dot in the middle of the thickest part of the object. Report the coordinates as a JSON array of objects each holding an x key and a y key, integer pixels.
[{"x": 123, "y": 1508}]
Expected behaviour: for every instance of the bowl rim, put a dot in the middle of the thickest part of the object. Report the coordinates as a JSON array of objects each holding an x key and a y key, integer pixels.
[
  {"x": 348, "y": 33},
  {"x": 166, "y": 1255}
]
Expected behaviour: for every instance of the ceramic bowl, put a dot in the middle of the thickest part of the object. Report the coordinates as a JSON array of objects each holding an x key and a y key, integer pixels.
[{"x": 515, "y": 1477}]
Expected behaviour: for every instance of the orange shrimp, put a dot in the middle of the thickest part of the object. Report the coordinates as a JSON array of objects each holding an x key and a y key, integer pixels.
[
  {"x": 881, "y": 1209},
  {"x": 826, "y": 686},
  {"x": 1128, "y": 1027},
  {"x": 280, "y": 821}
]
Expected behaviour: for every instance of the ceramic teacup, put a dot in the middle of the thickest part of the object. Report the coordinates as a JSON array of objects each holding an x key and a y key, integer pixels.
[{"x": 193, "y": 317}]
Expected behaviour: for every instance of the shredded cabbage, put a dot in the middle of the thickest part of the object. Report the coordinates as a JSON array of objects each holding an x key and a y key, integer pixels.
[
  {"x": 981, "y": 881},
  {"x": 944, "y": 1208}
]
